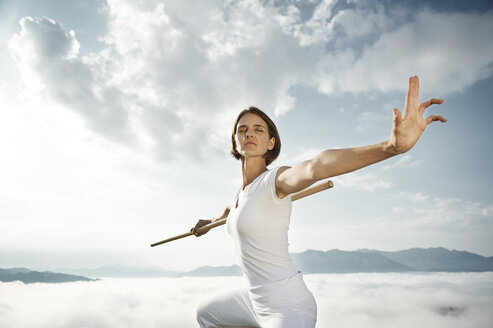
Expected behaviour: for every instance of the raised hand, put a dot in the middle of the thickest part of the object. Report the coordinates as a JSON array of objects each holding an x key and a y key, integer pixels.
[{"x": 408, "y": 128}]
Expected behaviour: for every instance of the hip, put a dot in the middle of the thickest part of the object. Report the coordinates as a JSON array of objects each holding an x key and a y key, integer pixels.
[{"x": 287, "y": 295}]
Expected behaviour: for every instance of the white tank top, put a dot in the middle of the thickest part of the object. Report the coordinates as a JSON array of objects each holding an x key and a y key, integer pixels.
[{"x": 259, "y": 227}]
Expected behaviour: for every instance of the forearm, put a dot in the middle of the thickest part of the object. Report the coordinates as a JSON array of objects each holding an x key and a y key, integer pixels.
[
  {"x": 223, "y": 215},
  {"x": 335, "y": 162},
  {"x": 202, "y": 223}
]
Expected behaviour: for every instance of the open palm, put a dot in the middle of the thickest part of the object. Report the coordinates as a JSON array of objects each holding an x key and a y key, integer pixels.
[{"x": 408, "y": 127}]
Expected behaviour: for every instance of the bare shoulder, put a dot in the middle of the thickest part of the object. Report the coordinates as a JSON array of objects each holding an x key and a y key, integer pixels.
[
  {"x": 280, "y": 174},
  {"x": 281, "y": 181}
]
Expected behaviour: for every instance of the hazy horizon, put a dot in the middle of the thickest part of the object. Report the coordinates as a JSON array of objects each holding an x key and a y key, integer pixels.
[{"x": 36, "y": 261}]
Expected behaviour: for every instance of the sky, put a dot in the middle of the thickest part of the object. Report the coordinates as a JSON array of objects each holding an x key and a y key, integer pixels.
[
  {"x": 441, "y": 300},
  {"x": 115, "y": 122}
]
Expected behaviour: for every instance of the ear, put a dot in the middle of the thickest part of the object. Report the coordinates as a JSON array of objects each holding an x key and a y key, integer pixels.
[{"x": 271, "y": 144}]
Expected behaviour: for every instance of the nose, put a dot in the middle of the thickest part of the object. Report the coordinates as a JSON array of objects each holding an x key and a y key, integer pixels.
[{"x": 248, "y": 133}]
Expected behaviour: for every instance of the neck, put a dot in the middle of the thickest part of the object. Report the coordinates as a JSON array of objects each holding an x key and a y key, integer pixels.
[{"x": 251, "y": 168}]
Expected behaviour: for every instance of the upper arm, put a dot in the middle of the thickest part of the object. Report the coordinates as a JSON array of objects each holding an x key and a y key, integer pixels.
[{"x": 290, "y": 180}]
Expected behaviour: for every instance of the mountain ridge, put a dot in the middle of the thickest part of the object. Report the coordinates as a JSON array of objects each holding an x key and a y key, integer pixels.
[
  {"x": 28, "y": 276},
  {"x": 440, "y": 259},
  {"x": 311, "y": 261}
]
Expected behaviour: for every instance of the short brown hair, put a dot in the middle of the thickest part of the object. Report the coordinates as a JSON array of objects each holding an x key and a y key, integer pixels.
[{"x": 270, "y": 155}]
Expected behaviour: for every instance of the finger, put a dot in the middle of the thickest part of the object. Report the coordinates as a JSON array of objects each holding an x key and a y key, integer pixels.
[
  {"x": 194, "y": 229},
  {"x": 397, "y": 116},
  {"x": 412, "y": 95},
  {"x": 428, "y": 103},
  {"x": 433, "y": 118}
]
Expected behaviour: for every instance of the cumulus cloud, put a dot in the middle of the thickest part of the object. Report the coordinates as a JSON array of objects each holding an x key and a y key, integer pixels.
[
  {"x": 350, "y": 300},
  {"x": 359, "y": 181},
  {"x": 327, "y": 23},
  {"x": 426, "y": 46},
  {"x": 48, "y": 58},
  {"x": 170, "y": 78}
]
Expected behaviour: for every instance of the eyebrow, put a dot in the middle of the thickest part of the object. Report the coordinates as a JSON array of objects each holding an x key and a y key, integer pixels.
[{"x": 255, "y": 125}]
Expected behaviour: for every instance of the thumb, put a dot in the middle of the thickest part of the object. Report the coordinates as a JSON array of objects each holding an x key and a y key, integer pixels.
[{"x": 397, "y": 116}]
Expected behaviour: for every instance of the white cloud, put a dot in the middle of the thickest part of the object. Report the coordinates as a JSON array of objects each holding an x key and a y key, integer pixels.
[
  {"x": 414, "y": 220},
  {"x": 398, "y": 300},
  {"x": 359, "y": 181},
  {"x": 340, "y": 27},
  {"x": 399, "y": 220},
  {"x": 362, "y": 22},
  {"x": 344, "y": 300},
  {"x": 418, "y": 197},
  {"x": 449, "y": 51},
  {"x": 452, "y": 214},
  {"x": 165, "y": 82},
  {"x": 319, "y": 28},
  {"x": 171, "y": 77},
  {"x": 48, "y": 55}
]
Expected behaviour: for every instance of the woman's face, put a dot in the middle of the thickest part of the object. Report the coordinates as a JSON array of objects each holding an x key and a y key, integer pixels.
[{"x": 252, "y": 136}]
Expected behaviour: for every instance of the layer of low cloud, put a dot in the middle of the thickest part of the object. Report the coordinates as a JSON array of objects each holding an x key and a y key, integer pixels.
[
  {"x": 352, "y": 300},
  {"x": 169, "y": 75}
]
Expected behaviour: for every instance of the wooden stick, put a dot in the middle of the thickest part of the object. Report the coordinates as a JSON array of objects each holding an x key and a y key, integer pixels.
[{"x": 307, "y": 192}]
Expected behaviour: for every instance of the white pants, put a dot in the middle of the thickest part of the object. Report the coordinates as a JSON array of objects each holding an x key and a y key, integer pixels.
[{"x": 283, "y": 304}]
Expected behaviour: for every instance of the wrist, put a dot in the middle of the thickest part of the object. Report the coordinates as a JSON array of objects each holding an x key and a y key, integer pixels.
[{"x": 389, "y": 148}]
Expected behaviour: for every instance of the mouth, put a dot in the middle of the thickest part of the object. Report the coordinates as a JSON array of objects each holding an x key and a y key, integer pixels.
[{"x": 249, "y": 143}]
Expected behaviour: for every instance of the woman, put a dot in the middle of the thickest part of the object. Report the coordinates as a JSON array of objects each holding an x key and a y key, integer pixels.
[{"x": 258, "y": 218}]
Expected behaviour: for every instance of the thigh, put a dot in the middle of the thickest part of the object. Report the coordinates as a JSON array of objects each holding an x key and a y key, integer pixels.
[
  {"x": 230, "y": 309},
  {"x": 287, "y": 320},
  {"x": 301, "y": 314}
]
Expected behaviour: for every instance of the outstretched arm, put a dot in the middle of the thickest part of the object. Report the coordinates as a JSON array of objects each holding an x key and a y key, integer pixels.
[
  {"x": 202, "y": 223},
  {"x": 406, "y": 130}
]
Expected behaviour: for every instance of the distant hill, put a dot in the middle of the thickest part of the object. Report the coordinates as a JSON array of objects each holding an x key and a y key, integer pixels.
[
  {"x": 122, "y": 271},
  {"x": 27, "y": 276},
  {"x": 439, "y": 259},
  {"x": 310, "y": 261},
  {"x": 336, "y": 261},
  {"x": 210, "y": 271}
]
